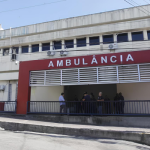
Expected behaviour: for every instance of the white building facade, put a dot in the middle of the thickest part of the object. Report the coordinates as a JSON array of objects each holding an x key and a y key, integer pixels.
[{"x": 116, "y": 45}]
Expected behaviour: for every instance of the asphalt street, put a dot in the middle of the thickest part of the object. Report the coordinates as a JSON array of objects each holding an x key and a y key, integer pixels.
[{"x": 37, "y": 141}]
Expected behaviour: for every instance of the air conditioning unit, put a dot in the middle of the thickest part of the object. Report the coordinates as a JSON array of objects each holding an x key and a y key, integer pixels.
[
  {"x": 50, "y": 53},
  {"x": 13, "y": 57},
  {"x": 113, "y": 46},
  {"x": 2, "y": 87},
  {"x": 63, "y": 53}
]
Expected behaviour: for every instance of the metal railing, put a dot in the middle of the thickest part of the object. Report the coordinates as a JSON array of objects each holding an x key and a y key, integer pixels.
[
  {"x": 90, "y": 108},
  {"x": 8, "y": 106}
]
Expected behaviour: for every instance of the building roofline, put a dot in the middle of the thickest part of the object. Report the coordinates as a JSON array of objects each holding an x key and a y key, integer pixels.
[{"x": 78, "y": 16}]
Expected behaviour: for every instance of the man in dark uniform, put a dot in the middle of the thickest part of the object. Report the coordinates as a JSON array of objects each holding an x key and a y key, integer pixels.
[
  {"x": 100, "y": 103},
  {"x": 86, "y": 103},
  {"x": 121, "y": 99}
]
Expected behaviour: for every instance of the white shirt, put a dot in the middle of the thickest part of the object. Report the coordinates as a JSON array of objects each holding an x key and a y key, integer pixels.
[{"x": 61, "y": 99}]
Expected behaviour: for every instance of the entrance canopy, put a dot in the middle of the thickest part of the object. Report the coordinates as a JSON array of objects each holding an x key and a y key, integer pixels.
[
  {"x": 93, "y": 69},
  {"x": 91, "y": 75}
]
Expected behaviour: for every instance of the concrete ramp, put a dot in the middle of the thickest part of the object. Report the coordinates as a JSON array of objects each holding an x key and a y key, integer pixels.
[{"x": 139, "y": 135}]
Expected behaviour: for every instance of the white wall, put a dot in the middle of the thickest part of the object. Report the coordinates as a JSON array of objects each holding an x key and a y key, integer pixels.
[
  {"x": 135, "y": 91},
  {"x": 46, "y": 93}
]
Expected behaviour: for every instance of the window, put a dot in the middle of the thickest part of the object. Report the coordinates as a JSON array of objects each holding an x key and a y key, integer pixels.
[
  {"x": 25, "y": 49},
  {"x": 15, "y": 50},
  {"x": 94, "y": 40},
  {"x": 148, "y": 32},
  {"x": 122, "y": 37},
  {"x": 69, "y": 44},
  {"x": 35, "y": 48},
  {"x": 81, "y": 42},
  {"x": 137, "y": 36},
  {"x": 108, "y": 39},
  {"x": 6, "y": 52},
  {"x": 45, "y": 46},
  {"x": 57, "y": 45}
]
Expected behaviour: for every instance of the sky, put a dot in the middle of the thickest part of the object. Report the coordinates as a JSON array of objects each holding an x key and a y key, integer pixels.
[{"x": 55, "y": 10}]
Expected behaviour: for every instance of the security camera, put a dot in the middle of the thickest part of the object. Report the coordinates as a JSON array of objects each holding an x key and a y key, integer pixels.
[{"x": 16, "y": 62}]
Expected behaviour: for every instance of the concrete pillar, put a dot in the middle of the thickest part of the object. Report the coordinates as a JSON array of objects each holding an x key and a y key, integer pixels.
[
  {"x": 145, "y": 35},
  {"x": 30, "y": 48},
  {"x": 101, "y": 39},
  {"x": 63, "y": 44},
  {"x": 1, "y": 52},
  {"x": 129, "y": 36},
  {"x": 75, "y": 43},
  {"x": 115, "y": 38},
  {"x": 20, "y": 50},
  {"x": 51, "y": 45},
  {"x": 10, "y": 51},
  {"x": 40, "y": 47}
]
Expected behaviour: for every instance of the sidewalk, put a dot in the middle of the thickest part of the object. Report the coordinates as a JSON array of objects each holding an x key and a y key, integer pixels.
[{"x": 139, "y": 135}]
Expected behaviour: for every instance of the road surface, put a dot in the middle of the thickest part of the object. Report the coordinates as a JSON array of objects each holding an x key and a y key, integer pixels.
[{"x": 37, "y": 141}]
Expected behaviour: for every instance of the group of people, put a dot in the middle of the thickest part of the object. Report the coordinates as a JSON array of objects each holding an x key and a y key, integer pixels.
[{"x": 88, "y": 104}]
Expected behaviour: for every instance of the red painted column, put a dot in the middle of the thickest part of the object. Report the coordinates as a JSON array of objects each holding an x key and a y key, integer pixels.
[{"x": 23, "y": 89}]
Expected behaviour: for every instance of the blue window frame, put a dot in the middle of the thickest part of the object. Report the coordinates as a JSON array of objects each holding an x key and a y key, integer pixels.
[
  {"x": 123, "y": 37},
  {"x": 94, "y": 40},
  {"x": 17, "y": 50},
  {"x": 35, "y": 48},
  {"x": 25, "y": 49},
  {"x": 45, "y": 46},
  {"x": 108, "y": 39},
  {"x": 69, "y": 44},
  {"x": 81, "y": 42},
  {"x": 137, "y": 36},
  {"x": 57, "y": 45},
  {"x": 148, "y": 33}
]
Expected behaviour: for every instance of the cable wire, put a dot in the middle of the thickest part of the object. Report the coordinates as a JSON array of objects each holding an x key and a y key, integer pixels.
[
  {"x": 137, "y": 7},
  {"x": 140, "y": 6},
  {"x": 146, "y": 1},
  {"x": 32, "y": 6}
]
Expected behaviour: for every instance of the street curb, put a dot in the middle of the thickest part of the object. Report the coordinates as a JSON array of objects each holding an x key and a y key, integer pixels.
[{"x": 138, "y": 137}]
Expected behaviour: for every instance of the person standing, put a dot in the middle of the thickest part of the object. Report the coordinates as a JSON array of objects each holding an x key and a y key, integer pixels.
[
  {"x": 86, "y": 103},
  {"x": 100, "y": 103},
  {"x": 121, "y": 99},
  {"x": 62, "y": 103}
]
